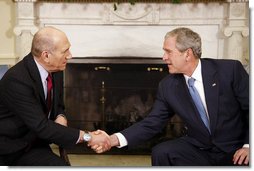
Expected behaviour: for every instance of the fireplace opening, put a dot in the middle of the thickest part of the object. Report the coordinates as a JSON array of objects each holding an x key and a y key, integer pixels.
[{"x": 113, "y": 96}]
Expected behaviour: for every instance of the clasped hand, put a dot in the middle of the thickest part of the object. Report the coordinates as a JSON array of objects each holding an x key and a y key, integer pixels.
[{"x": 100, "y": 141}]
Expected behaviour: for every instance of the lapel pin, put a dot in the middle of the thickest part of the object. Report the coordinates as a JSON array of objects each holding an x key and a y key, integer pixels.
[{"x": 214, "y": 84}]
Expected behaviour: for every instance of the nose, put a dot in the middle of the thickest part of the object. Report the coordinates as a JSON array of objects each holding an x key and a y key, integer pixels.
[
  {"x": 164, "y": 57},
  {"x": 69, "y": 56}
]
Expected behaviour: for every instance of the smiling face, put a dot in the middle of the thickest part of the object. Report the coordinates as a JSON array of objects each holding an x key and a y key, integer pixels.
[{"x": 175, "y": 59}]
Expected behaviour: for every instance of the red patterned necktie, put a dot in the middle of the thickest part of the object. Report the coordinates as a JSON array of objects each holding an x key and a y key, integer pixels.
[{"x": 49, "y": 90}]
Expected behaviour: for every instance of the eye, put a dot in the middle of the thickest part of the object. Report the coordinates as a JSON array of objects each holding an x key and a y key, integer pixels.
[{"x": 168, "y": 51}]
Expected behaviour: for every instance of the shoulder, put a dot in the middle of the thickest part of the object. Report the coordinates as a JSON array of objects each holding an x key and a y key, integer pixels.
[
  {"x": 220, "y": 61},
  {"x": 221, "y": 64},
  {"x": 18, "y": 73},
  {"x": 171, "y": 80},
  {"x": 225, "y": 69}
]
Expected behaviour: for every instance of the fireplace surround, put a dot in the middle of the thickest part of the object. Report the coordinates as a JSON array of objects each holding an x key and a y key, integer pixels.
[{"x": 95, "y": 29}]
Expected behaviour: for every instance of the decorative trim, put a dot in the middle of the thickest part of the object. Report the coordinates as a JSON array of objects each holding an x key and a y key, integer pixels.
[
  {"x": 137, "y": 1},
  {"x": 25, "y": 0},
  {"x": 19, "y": 29},
  {"x": 8, "y": 59},
  {"x": 229, "y": 31},
  {"x": 242, "y": 1},
  {"x": 133, "y": 1}
]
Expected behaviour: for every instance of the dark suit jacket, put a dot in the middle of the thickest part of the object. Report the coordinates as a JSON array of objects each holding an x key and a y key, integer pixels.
[
  {"x": 226, "y": 86},
  {"x": 23, "y": 108}
]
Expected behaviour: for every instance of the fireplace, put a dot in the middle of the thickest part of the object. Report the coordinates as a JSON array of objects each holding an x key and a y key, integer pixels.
[
  {"x": 96, "y": 30},
  {"x": 114, "y": 95}
]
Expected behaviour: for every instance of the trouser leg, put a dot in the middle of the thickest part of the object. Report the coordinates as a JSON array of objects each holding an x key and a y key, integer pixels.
[
  {"x": 178, "y": 153},
  {"x": 40, "y": 156}
]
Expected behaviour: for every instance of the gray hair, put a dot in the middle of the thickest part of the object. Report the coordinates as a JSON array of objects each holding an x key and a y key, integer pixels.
[{"x": 186, "y": 38}]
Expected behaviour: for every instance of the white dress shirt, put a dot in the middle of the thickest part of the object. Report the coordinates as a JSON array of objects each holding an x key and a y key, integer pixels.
[
  {"x": 198, "y": 84},
  {"x": 44, "y": 74}
]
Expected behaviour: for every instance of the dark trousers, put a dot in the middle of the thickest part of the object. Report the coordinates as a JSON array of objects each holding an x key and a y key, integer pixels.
[
  {"x": 36, "y": 156},
  {"x": 178, "y": 152}
]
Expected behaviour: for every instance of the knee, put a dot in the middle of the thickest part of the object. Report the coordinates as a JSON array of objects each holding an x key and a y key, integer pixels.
[
  {"x": 161, "y": 155},
  {"x": 162, "y": 149},
  {"x": 158, "y": 150}
]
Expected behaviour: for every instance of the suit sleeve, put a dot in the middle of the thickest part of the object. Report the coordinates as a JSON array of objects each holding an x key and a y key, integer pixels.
[
  {"x": 20, "y": 98},
  {"x": 152, "y": 124},
  {"x": 241, "y": 88}
]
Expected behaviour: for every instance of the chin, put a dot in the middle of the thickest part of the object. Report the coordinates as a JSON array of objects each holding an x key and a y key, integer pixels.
[
  {"x": 63, "y": 68},
  {"x": 171, "y": 71}
]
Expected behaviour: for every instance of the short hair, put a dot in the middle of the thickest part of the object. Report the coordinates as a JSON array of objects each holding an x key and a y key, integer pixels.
[
  {"x": 42, "y": 41},
  {"x": 186, "y": 38}
]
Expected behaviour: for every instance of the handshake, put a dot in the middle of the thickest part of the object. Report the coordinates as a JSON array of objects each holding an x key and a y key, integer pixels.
[{"x": 101, "y": 141}]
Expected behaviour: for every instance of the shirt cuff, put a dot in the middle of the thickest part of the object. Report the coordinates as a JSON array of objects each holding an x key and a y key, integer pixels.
[
  {"x": 246, "y": 145},
  {"x": 122, "y": 140},
  {"x": 61, "y": 115}
]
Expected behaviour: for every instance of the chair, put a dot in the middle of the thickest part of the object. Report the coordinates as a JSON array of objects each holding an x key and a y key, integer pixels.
[
  {"x": 63, "y": 155},
  {"x": 3, "y": 69}
]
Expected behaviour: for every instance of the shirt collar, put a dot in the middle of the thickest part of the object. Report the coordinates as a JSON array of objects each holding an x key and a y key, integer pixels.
[
  {"x": 197, "y": 75},
  {"x": 43, "y": 73}
]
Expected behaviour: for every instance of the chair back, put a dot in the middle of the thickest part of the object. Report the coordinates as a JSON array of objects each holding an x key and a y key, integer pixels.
[{"x": 3, "y": 69}]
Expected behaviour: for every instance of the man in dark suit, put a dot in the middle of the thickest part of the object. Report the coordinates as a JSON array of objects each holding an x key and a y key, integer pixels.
[
  {"x": 28, "y": 121},
  {"x": 222, "y": 138}
]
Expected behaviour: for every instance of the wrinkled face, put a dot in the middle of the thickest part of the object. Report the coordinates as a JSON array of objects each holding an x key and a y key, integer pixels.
[
  {"x": 175, "y": 59},
  {"x": 59, "y": 56}
]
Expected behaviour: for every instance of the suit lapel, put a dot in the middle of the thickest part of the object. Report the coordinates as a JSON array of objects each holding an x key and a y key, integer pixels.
[
  {"x": 185, "y": 100},
  {"x": 211, "y": 89},
  {"x": 35, "y": 75}
]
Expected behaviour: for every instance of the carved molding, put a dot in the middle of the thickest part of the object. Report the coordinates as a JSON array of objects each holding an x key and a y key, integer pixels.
[
  {"x": 19, "y": 29},
  {"x": 237, "y": 10},
  {"x": 243, "y": 30},
  {"x": 238, "y": 1},
  {"x": 227, "y": 19},
  {"x": 132, "y": 12},
  {"x": 25, "y": 0},
  {"x": 137, "y": 1}
]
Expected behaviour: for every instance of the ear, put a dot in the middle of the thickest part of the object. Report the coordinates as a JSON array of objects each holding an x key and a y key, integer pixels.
[
  {"x": 45, "y": 56},
  {"x": 188, "y": 54}
]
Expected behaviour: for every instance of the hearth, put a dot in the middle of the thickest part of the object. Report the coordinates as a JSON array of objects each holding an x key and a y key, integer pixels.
[{"x": 112, "y": 94}]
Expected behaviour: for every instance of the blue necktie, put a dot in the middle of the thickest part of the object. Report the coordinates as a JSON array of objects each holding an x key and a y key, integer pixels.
[{"x": 197, "y": 100}]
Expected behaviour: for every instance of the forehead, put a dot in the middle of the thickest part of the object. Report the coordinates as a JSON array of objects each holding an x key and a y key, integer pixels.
[
  {"x": 63, "y": 43},
  {"x": 169, "y": 42}
]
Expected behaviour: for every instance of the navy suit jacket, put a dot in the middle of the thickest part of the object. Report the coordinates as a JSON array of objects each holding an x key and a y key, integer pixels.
[
  {"x": 226, "y": 87},
  {"x": 23, "y": 108}
]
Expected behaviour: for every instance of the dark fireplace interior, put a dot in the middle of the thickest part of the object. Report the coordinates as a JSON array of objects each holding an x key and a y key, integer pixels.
[{"x": 113, "y": 96}]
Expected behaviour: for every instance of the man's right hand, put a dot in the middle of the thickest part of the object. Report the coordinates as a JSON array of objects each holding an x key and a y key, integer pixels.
[
  {"x": 100, "y": 147},
  {"x": 100, "y": 141}
]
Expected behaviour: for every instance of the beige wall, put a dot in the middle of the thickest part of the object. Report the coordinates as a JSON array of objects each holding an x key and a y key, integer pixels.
[{"x": 7, "y": 37}]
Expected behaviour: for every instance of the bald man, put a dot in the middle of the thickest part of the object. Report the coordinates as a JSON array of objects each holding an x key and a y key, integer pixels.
[{"x": 31, "y": 113}]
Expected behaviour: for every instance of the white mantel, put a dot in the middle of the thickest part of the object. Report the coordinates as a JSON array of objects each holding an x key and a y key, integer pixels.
[{"x": 96, "y": 30}]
